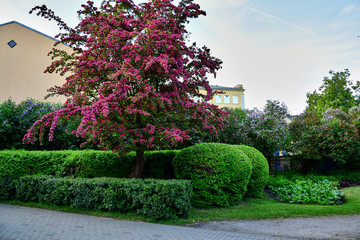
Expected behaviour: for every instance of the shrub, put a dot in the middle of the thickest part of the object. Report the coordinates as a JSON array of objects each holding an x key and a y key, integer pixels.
[
  {"x": 310, "y": 192},
  {"x": 86, "y": 163},
  {"x": 327, "y": 142},
  {"x": 16, "y": 119},
  {"x": 157, "y": 199},
  {"x": 7, "y": 187},
  {"x": 21, "y": 162},
  {"x": 219, "y": 173},
  {"x": 260, "y": 171}
]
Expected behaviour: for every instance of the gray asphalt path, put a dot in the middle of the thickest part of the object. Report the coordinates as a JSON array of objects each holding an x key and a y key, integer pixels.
[
  {"x": 335, "y": 227},
  {"x": 23, "y": 223}
]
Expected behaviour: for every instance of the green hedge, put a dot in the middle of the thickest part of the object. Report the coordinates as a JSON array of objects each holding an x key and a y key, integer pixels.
[
  {"x": 260, "y": 171},
  {"x": 219, "y": 173},
  {"x": 87, "y": 163},
  {"x": 157, "y": 199}
]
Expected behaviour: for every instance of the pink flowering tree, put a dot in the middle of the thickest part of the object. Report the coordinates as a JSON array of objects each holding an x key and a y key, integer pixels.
[{"x": 132, "y": 77}]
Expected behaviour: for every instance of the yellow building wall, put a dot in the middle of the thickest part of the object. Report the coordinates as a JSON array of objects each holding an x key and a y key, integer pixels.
[
  {"x": 237, "y": 91},
  {"x": 22, "y": 67}
]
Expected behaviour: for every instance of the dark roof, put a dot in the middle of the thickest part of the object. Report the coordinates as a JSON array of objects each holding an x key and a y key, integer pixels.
[
  {"x": 29, "y": 29},
  {"x": 217, "y": 87}
]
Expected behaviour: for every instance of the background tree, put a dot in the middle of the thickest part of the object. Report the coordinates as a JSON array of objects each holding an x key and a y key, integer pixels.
[
  {"x": 327, "y": 142},
  {"x": 16, "y": 119},
  {"x": 132, "y": 76},
  {"x": 336, "y": 92},
  {"x": 268, "y": 129}
]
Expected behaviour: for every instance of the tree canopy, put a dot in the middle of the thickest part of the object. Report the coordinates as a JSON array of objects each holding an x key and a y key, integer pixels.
[
  {"x": 132, "y": 76},
  {"x": 336, "y": 92}
]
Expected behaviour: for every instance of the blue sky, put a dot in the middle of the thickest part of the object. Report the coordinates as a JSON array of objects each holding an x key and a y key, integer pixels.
[{"x": 278, "y": 49}]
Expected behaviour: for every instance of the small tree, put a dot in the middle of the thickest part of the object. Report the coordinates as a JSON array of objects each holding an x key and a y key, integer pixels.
[{"x": 132, "y": 76}]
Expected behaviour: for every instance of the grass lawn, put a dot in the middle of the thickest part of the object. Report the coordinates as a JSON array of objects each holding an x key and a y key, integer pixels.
[
  {"x": 250, "y": 209},
  {"x": 268, "y": 208}
]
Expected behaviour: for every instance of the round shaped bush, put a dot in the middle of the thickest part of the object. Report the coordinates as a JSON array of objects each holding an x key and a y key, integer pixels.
[
  {"x": 260, "y": 171},
  {"x": 219, "y": 173}
]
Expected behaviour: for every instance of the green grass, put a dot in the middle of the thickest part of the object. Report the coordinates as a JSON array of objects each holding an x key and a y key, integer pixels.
[{"x": 250, "y": 209}]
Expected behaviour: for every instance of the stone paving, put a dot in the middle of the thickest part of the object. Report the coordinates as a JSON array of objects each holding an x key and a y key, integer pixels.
[{"x": 23, "y": 223}]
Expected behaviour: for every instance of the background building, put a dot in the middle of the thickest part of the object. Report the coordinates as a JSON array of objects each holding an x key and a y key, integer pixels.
[
  {"x": 23, "y": 60},
  {"x": 231, "y": 97}
]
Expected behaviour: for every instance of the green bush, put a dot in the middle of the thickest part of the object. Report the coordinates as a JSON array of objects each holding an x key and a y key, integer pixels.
[
  {"x": 157, "y": 199},
  {"x": 7, "y": 187},
  {"x": 21, "y": 162},
  {"x": 260, "y": 171},
  {"x": 219, "y": 173},
  {"x": 310, "y": 192},
  {"x": 86, "y": 163},
  {"x": 16, "y": 119}
]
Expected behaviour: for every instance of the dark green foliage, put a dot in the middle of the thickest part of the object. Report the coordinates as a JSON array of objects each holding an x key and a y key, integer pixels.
[
  {"x": 260, "y": 171},
  {"x": 16, "y": 119},
  {"x": 328, "y": 142},
  {"x": 158, "y": 164},
  {"x": 310, "y": 192},
  {"x": 7, "y": 187},
  {"x": 157, "y": 199},
  {"x": 86, "y": 163},
  {"x": 235, "y": 131},
  {"x": 219, "y": 173}
]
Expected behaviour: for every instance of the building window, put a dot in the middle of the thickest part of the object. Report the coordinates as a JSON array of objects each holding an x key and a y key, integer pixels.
[
  {"x": 12, "y": 43},
  {"x": 235, "y": 100},
  {"x": 226, "y": 99},
  {"x": 218, "y": 99},
  {"x": 242, "y": 102}
]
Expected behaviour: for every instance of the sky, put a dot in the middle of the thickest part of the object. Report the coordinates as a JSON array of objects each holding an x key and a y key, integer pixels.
[{"x": 278, "y": 49}]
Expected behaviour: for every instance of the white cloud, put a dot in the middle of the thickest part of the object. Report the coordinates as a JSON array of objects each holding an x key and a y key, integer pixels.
[{"x": 348, "y": 9}]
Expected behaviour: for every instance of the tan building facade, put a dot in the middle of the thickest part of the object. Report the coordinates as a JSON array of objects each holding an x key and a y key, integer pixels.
[
  {"x": 231, "y": 97},
  {"x": 23, "y": 60}
]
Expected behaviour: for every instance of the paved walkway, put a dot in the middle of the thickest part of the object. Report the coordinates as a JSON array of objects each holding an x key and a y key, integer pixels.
[
  {"x": 334, "y": 227},
  {"x": 22, "y": 223}
]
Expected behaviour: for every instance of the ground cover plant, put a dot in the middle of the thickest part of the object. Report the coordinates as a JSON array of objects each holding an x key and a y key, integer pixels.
[{"x": 322, "y": 192}]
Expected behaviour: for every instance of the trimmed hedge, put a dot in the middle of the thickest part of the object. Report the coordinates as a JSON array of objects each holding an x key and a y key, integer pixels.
[
  {"x": 157, "y": 199},
  {"x": 260, "y": 171},
  {"x": 86, "y": 163},
  {"x": 219, "y": 173}
]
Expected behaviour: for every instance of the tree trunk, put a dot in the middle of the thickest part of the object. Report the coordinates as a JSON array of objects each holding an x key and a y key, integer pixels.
[{"x": 138, "y": 167}]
